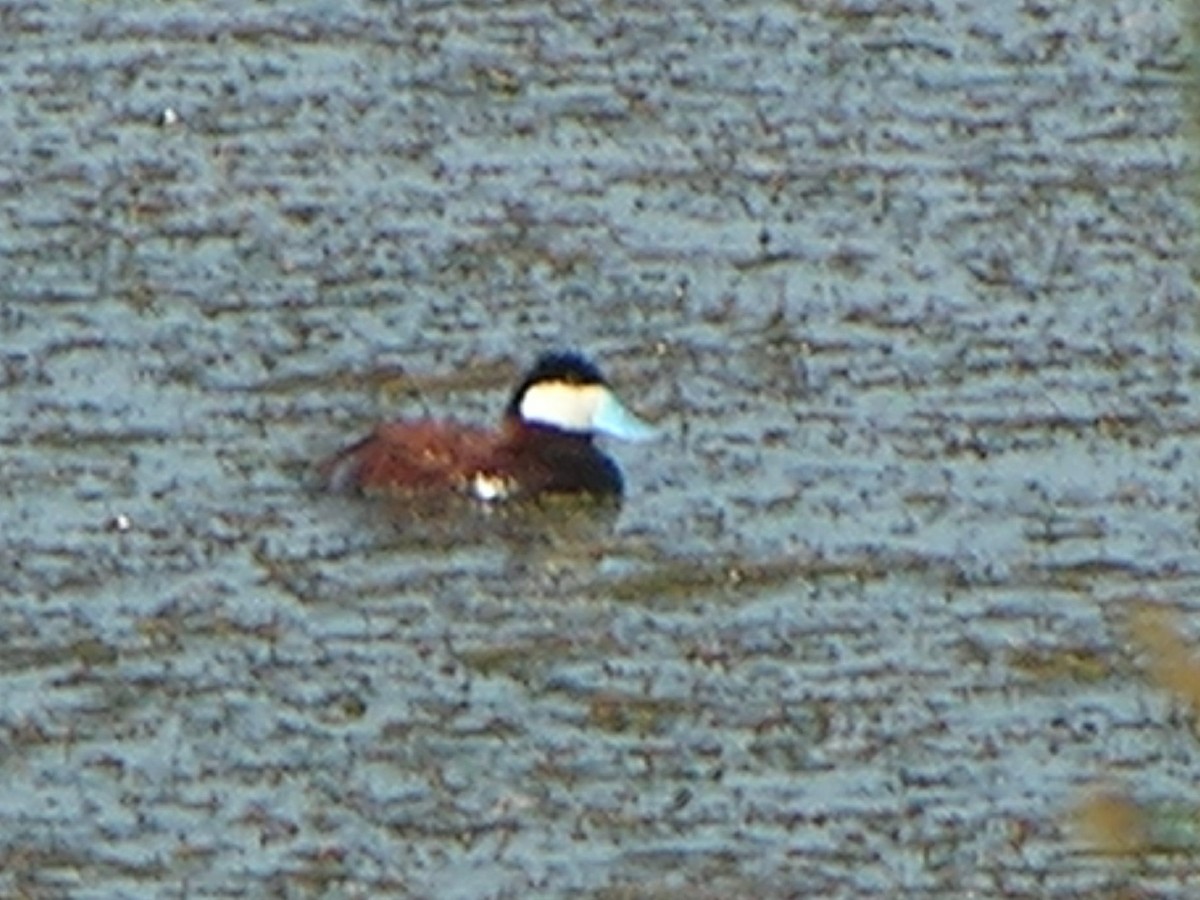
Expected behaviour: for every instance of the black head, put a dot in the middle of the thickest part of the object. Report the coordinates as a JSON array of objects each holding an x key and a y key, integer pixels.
[{"x": 566, "y": 393}]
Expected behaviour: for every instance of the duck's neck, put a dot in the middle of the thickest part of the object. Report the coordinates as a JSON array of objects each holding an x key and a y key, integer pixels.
[{"x": 516, "y": 428}]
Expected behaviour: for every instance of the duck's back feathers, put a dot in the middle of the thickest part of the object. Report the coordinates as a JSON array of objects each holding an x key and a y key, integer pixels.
[
  {"x": 428, "y": 455},
  {"x": 416, "y": 455}
]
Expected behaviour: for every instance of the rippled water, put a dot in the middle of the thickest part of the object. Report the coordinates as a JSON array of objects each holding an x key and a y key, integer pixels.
[{"x": 908, "y": 286}]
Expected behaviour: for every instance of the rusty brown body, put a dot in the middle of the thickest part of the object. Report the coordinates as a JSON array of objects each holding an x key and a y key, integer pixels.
[
  {"x": 518, "y": 459},
  {"x": 544, "y": 443}
]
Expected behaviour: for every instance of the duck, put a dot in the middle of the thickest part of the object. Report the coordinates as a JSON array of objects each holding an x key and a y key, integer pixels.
[{"x": 545, "y": 443}]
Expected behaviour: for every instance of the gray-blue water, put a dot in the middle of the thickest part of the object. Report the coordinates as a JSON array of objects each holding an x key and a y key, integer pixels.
[{"x": 907, "y": 284}]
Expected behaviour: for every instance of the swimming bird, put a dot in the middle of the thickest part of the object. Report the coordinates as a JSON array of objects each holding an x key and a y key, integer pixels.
[{"x": 544, "y": 444}]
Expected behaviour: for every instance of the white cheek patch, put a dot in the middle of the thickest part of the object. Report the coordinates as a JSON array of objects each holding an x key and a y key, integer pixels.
[{"x": 571, "y": 407}]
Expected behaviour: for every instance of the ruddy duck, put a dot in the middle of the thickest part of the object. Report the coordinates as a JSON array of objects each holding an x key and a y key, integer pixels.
[{"x": 544, "y": 443}]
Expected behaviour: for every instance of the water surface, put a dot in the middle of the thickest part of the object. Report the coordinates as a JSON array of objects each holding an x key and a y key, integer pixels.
[{"x": 908, "y": 287}]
